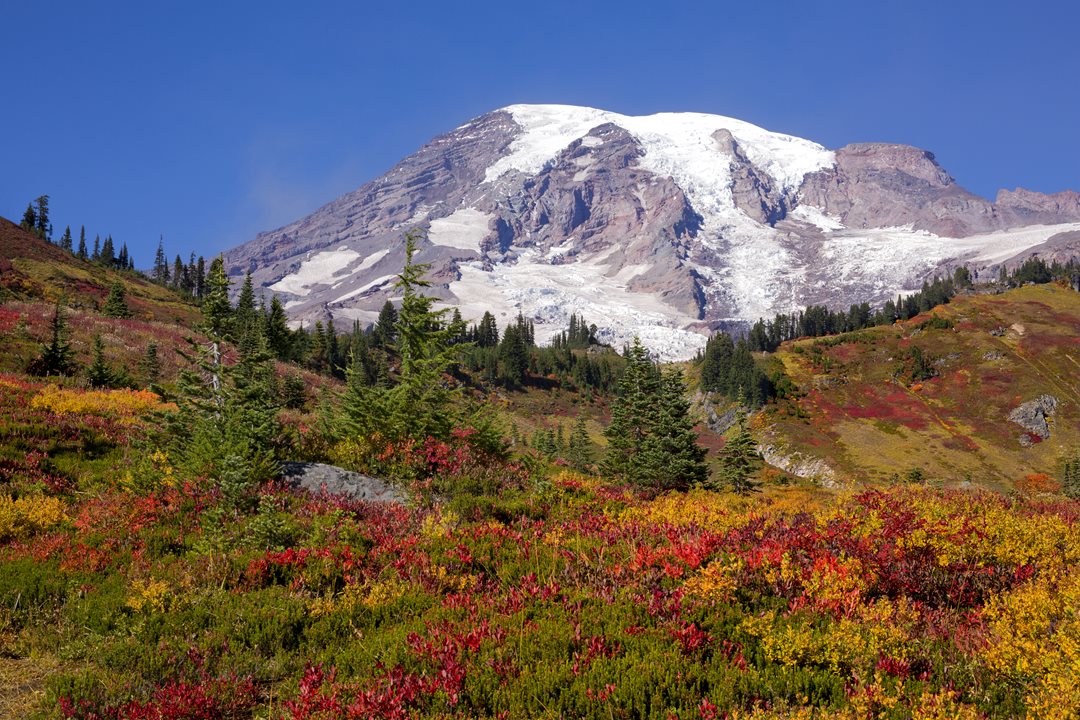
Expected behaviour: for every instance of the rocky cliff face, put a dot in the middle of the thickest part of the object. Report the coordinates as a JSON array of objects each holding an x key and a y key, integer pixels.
[{"x": 663, "y": 226}]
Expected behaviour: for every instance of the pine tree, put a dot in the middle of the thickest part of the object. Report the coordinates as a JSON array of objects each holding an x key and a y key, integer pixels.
[
  {"x": 200, "y": 278},
  {"x": 177, "y": 272},
  {"x": 122, "y": 258},
  {"x": 81, "y": 253},
  {"x": 115, "y": 303},
  {"x": 65, "y": 239},
  {"x": 739, "y": 461},
  {"x": 245, "y": 316},
  {"x": 99, "y": 374},
  {"x": 97, "y": 249},
  {"x": 217, "y": 312},
  {"x": 514, "y": 354},
  {"x": 56, "y": 356}
]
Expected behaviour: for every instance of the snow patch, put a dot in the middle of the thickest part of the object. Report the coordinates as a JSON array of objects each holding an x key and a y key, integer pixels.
[
  {"x": 463, "y": 229},
  {"x": 365, "y": 288},
  {"x": 319, "y": 269},
  {"x": 817, "y": 218}
]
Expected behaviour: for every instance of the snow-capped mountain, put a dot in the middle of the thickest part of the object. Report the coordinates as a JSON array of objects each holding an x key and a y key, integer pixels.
[{"x": 665, "y": 226}]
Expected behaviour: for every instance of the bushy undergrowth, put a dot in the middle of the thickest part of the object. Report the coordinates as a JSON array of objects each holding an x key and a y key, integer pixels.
[{"x": 566, "y": 598}]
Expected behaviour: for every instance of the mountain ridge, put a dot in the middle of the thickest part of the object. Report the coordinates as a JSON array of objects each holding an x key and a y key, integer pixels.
[{"x": 665, "y": 226}]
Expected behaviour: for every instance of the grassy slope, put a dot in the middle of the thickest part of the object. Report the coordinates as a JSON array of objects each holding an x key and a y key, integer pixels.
[
  {"x": 34, "y": 270},
  {"x": 866, "y": 424}
]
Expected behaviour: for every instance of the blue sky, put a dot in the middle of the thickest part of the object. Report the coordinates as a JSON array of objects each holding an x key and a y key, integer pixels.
[{"x": 208, "y": 122}]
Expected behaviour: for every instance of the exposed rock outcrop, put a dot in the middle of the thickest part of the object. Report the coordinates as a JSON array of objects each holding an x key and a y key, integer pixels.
[
  {"x": 317, "y": 478},
  {"x": 1033, "y": 416}
]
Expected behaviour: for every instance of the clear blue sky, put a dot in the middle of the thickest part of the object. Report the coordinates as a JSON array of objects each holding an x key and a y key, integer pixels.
[{"x": 208, "y": 122}]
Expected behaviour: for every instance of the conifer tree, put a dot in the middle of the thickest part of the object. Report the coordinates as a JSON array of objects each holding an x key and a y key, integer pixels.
[
  {"x": 739, "y": 462},
  {"x": 385, "y": 333},
  {"x": 81, "y": 253},
  {"x": 42, "y": 226},
  {"x": 579, "y": 447},
  {"x": 1070, "y": 479},
  {"x": 97, "y": 249},
  {"x": 29, "y": 220},
  {"x": 65, "y": 239},
  {"x": 178, "y": 273},
  {"x": 115, "y": 303},
  {"x": 160, "y": 272},
  {"x": 56, "y": 356},
  {"x": 670, "y": 456},
  {"x": 150, "y": 364},
  {"x": 278, "y": 337},
  {"x": 99, "y": 374},
  {"x": 245, "y": 316},
  {"x": 108, "y": 253},
  {"x": 632, "y": 415}
]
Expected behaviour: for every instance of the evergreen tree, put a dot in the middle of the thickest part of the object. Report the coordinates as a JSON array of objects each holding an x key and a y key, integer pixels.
[
  {"x": 385, "y": 333},
  {"x": 65, "y": 239},
  {"x": 56, "y": 356},
  {"x": 115, "y": 303},
  {"x": 150, "y": 364},
  {"x": 579, "y": 447},
  {"x": 1070, "y": 479},
  {"x": 632, "y": 415},
  {"x": 217, "y": 312},
  {"x": 245, "y": 316},
  {"x": 42, "y": 226},
  {"x": 200, "y": 278},
  {"x": 29, "y": 220},
  {"x": 178, "y": 272},
  {"x": 488, "y": 332},
  {"x": 160, "y": 272},
  {"x": 81, "y": 253},
  {"x": 97, "y": 249},
  {"x": 108, "y": 253},
  {"x": 514, "y": 354},
  {"x": 739, "y": 461},
  {"x": 99, "y": 374},
  {"x": 421, "y": 404},
  {"x": 278, "y": 337},
  {"x": 670, "y": 456},
  {"x": 122, "y": 259}
]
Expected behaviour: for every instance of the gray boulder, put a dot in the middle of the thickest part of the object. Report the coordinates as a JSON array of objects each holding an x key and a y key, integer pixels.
[
  {"x": 317, "y": 477},
  {"x": 1032, "y": 415}
]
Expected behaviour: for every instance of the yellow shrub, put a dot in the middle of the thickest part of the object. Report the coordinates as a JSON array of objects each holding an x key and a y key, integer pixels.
[
  {"x": 369, "y": 595},
  {"x": 1035, "y": 642},
  {"x": 717, "y": 581},
  {"x": 111, "y": 403},
  {"x": 28, "y": 515},
  {"x": 149, "y": 595}
]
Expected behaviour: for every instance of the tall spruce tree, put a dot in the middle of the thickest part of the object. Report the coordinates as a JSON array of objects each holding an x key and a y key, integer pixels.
[
  {"x": 42, "y": 226},
  {"x": 29, "y": 219},
  {"x": 579, "y": 447},
  {"x": 632, "y": 416},
  {"x": 160, "y": 272},
  {"x": 670, "y": 456},
  {"x": 66, "y": 239},
  {"x": 81, "y": 253},
  {"x": 99, "y": 374}
]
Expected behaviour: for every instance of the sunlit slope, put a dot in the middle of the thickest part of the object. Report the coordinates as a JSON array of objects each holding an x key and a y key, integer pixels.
[{"x": 860, "y": 410}]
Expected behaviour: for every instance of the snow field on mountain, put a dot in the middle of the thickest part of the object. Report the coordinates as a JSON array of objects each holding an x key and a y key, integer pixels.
[
  {"x": 318, "y": 269},
  {"x": 463, "y": 229}
]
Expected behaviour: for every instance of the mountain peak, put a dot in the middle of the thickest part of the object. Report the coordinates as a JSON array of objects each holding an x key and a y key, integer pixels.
[{"x": 666, "y": 226}]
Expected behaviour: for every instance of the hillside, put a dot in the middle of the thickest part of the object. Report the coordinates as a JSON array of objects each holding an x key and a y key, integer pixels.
[
  {"x": 989, "y": 354},
  {"x": 32, "y": 269}
]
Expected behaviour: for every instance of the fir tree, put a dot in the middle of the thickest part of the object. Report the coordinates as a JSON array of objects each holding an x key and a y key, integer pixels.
[
  {"x": 739, "y": 462},
  {"x": 245, "y": 316},
  {"x": 1070, "y": 478},
  {"x": 278, "y": 337},
  {"x": 42, "y": 226},
  {"x": 97, "y": 249},
  {"x": 632, "y": 415},
  {"x": 115, "y": 303},
  {"x": 65, "y": 239},
  {"x": 81, "y": 253},
  {"x": 56, "y": 356},
  {"x": 160, "y": 272},
  {"x": 178, "y": 273},
  {"x": 579, "y": 447},
  {"x": 150, "y": 364},
  {"x": 385, "y": 333},
  {"x": 670, "y": 456},
  {"x": 108, "y": 253},
  {"x": 29, "y": 220},
  {"x": 99, "y": 374},
  {"x": 217, "y": 312}
]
